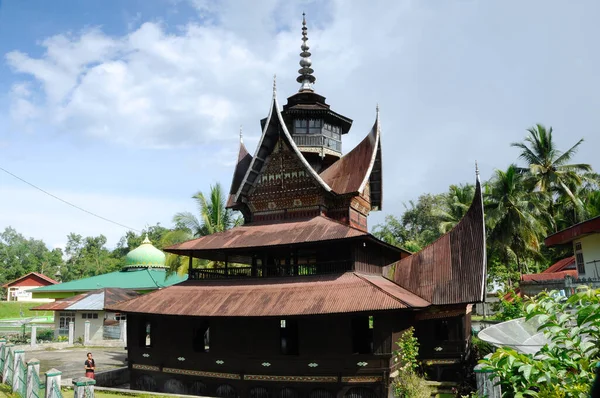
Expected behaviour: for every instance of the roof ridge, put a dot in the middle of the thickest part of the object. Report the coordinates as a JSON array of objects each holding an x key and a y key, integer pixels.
[{"x": 385, "y": 292}]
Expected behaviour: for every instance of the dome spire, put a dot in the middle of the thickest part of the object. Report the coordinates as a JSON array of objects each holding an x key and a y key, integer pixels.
[{"x": 306, "y": 79}]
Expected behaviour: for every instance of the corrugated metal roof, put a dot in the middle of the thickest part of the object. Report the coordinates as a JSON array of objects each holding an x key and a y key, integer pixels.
[
  {"x": 241, "y": 167},
  {"x": 269, "y": 233},
  {"x": 139, "y": 279},
  {"x": 452, "y": 269},
  {"x": 549, "y": 276},
  {"x": 569, "y": 234},
  {"x": 95, "y": 300},
  {"x": 325, "y": 294},
  {"x": 350, "y": 172}
]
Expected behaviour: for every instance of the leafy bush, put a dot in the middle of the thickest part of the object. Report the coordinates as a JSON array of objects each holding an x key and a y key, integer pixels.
[
  {"x": 45, "y": 334},
  {"x": 567, "y": 362},
  {"x": 511, "y": 308},
  {"x": 410, "y": 385},
  {"x": 408, "y": 351}
]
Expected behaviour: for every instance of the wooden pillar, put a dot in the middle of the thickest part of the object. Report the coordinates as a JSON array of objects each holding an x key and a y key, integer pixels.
[
  {"x": 254, "y": 266},
  {"x": 190, "y": 267},
  {"x": 226, "y": 265},
  {"x": 288, "y": 264},
  {"x": 264, "y": 265},
  {"x": 295, "y": 262}
]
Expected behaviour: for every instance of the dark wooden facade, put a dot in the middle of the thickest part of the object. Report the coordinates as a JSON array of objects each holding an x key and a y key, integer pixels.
[{"x": 302, "y": 356}]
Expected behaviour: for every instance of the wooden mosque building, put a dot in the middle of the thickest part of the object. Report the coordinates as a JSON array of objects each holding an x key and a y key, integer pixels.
[{"x": 319, "y": 303}]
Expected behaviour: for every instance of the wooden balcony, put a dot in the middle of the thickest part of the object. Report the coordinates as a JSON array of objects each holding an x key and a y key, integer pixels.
[
  {"x": 317, "y": 140},
  {"x": 321, "y": 268}
]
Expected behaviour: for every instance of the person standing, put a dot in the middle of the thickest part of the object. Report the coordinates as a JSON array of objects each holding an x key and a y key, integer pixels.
[{"x": 90, "y": 366}]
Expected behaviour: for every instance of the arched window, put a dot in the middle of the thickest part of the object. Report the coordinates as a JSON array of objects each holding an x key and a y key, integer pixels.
[
  {"x": 226, "y": 391},
  {"x": 360, "y": 392},
  {"x": 288, "y": 393},
  {"x": 320, "y": 393},
  {"x": 259, "y": 392}
]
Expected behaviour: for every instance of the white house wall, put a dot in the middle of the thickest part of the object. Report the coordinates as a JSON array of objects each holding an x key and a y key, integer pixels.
[{"x": 590, "y": 247}]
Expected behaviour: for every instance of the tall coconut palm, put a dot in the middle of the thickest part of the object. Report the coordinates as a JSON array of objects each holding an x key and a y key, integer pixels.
[
  {"x": 214, "y": 217},
  {"x": 516, "y": 222},
  {"x": 549, "y": 168},
  {"x": 457, "y": 202}
]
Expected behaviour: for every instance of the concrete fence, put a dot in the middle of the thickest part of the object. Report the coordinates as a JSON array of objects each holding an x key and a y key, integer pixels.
[{"x": 24, "y": 376}]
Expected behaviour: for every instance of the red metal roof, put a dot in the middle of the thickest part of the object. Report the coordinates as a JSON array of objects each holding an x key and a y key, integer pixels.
[
  {"x": 44, "y": 278},
  {"x": 324, "y": 294},
  {"x": 270, "y": 233},
  {"x": 569, "y": 234},
  {"x": 558, "y": 270},
  {"x": 452, "y": 269},
  {"x": 560, "y": 265},
  {"x": 549, "y": 276}
]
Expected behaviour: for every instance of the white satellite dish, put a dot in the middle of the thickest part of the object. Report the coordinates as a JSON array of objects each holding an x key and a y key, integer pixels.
[{"x": 519, "y": 334}]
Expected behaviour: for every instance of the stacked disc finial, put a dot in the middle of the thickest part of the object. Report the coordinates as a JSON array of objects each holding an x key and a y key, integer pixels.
[{"x": 306, "y": 79}]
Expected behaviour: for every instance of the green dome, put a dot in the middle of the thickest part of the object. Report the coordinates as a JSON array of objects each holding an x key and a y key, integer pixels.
[{"x": 146, "y": 255}]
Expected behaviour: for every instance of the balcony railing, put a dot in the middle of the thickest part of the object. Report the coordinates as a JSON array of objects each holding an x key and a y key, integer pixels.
[
  {"x": 316, "y": 140},
  {"x": 327, "y": 267}
]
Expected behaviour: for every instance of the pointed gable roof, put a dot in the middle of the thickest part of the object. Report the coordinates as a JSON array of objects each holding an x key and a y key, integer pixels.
[
  {"x": 270, "y": 135},
  {"x": 451, "y": 270},
  {"x": 362, "y": 164},
  {"x": 241, "y": 167}
]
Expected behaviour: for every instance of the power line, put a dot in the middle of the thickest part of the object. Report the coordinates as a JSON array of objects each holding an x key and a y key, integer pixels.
[{"x": 69, "y": 203}]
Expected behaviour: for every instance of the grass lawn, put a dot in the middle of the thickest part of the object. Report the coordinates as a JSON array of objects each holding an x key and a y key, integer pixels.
[{"x": 13, "y": 309}]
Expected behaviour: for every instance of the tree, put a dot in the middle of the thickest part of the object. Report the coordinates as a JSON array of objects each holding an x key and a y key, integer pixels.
[
  {"x": 88, "y": 257},
  {"x": 417, "y": 227},
  {"x": 516, "y": 225},
  {"x": 19, "y": 256},
  {"x": 214, "y": 217},
  {"x": 548, "y": 167},
  {"x": 456, "y": 203}
]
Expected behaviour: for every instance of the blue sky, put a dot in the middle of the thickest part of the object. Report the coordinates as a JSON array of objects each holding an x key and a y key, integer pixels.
[{"x": 127, "y": 108}]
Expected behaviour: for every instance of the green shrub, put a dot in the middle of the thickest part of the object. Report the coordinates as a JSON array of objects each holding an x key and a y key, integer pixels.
[
  {"x": 45, "y": 334},
  {"x": 408, "y": 351},
  {"x": 410, "y": 385},
  {"x": 569, "y": 361}
]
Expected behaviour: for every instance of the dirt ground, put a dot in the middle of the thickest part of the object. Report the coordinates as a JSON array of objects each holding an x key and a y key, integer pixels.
[{"x": 70, "y": 361}]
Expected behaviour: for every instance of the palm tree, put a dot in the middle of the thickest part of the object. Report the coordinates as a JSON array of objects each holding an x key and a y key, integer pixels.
[
  {"x": 457, "y": 202},
  {"x": 548, "y": 167},
  {"x": 214, "y": 217},
  {"x": 516, "y": 222}
]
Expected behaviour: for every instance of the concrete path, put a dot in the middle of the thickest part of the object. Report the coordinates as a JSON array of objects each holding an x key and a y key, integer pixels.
[{"x": 70, "y": 361}]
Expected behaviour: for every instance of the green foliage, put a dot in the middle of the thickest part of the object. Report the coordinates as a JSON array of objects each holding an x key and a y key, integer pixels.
[
  {"x": 511, "y": 307},
  {"x": 408, "y": 383},
  {"x": 568, "y": 361},
  {"x": 411, "y": 385},
  {"x": 408, "y": 351}
]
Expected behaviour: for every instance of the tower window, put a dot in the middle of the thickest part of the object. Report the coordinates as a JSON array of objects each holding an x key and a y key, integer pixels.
[
  {"x": 300, "y": 126},
  {"x": 314, "y": 126},
  {"x": 288, "y": 332}
]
